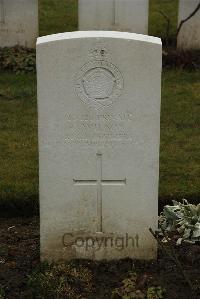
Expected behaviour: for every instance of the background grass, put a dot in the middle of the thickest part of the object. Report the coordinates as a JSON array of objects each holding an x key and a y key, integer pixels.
[
  {"x": 180, "y": 140},
  {"x": 18, "y": 141},
  {"x": 158, "y": 23},
  {"x": 180, "y": 124},
  {"x": 57, "y": 16},
  {"x": 62, "y": 15},
  {"x": 180, "y": 137}
]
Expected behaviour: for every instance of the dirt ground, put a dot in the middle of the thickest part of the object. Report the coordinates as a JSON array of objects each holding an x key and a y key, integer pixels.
[{"x": 19, "y": 255}]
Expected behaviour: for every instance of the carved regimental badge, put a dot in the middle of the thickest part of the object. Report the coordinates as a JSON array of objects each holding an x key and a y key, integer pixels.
[{"x": 99, "y": 83}]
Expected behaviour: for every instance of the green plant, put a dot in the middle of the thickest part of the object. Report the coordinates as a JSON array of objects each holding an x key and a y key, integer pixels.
[
  {"x": 128, "y": 290},
  {"x": 183, "y": 217},
  {"x": 62, "y": 280},
  {"x": 2, "y": 293},
  {"x": 18, "y": 59},
  {"x": 155, "y": 293}
]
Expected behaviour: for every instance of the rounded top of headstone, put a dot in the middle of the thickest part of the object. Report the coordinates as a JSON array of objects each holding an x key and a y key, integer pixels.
[{"x": 98, "y": 34}]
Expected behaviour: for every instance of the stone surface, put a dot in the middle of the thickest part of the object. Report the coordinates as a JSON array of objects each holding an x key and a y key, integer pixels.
[
  {"x": 18, "y": 23},
  {"x": 99, "y": 126},
  {"x": 118, "y": 15},
  {"x": 189, "y": 36}
]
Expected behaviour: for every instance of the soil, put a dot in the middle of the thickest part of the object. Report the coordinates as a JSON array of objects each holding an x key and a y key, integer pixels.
[{"x": 19, "y": 255}]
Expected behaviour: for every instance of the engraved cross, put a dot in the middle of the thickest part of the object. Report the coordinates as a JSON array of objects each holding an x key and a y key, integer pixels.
[
  {"x": 113, "y": 12},
  {"x": 2, "y": 12},
  {"x": 99, "y": 182}
]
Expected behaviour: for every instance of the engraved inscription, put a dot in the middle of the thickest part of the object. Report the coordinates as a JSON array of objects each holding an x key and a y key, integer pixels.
[
  {"x": 99, "y": 83},
  {"x": 101, "y": 129}
]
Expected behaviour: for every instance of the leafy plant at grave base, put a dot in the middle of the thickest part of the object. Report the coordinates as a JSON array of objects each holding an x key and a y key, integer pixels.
[
  {"x": 155, "y": 293},
  {"x": 62, "y": 280},
  {"x": 183, "y": 218},
  {"x": 129, "y": 290},
  {"x": 18, "y": 59}
]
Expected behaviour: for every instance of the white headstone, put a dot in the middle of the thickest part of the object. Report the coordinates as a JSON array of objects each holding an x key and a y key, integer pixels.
[
  {"x": 189, "y": 35},
  {"x": 18, "y": 23},
  {"x": 118, "y": 15},
  {"x": 99, "y": 125}
]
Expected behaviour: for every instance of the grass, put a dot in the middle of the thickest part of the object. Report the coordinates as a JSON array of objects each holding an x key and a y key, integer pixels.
[
  {"x": 158, "y": 23},
  {"x": 180, "y": 139},
  {"x": 180, "y": 142},
  {"x": 62, "y": 15},
  {"x": 57, "y": 16},
  {"x": 18, "y": 140}
]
